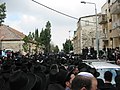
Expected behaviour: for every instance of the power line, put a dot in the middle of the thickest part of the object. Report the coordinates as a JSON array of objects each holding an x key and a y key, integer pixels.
[
  {"x": 60, "y": 12},
  {"x": 55, "y": 10}
]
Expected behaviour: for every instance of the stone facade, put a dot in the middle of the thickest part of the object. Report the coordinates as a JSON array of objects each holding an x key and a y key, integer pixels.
[
  {"x": 11, "y": 38},
  {"x": 14, "y": 45},
  {"x": 110, "y": 22},
  {"x": 85, "y": 35}
]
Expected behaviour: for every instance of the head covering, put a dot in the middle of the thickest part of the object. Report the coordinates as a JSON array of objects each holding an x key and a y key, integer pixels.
[
  {"x": 87, "y": 74},
  {"x": 2, "y": 82},
  {"x": 38, "y": 84},
  {"x": 22, "y": 81},
  {"x": 55, "y": 86}
]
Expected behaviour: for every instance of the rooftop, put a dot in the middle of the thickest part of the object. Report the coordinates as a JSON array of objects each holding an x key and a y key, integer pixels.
[{"x": 8, "y": 33}]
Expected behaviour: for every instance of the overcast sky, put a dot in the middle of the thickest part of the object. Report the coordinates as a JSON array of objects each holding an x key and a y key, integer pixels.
[{"x": 26, "y": 15}]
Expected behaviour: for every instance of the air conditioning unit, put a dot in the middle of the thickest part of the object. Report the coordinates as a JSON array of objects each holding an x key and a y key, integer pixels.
[{"x": 116, "y": 24}]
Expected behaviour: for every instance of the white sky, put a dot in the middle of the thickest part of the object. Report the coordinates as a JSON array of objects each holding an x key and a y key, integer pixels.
[{"x": 25, "y": 16}]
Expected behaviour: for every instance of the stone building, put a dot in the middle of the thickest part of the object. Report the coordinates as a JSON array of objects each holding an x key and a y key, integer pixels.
[
  {"x": 110, "y": 22},
  {"x": 11, "y": 38},
  {"x": 85, "y": 35}
]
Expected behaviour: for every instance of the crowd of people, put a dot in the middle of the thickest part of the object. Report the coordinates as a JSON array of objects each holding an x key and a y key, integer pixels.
[
  {"x": 51, "y": 72},
  {"x": 105, "y": 53}
]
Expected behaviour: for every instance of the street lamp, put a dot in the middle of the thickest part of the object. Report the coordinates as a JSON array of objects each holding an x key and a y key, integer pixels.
[
  {"x": 97, "y": 39},
  {"x": 69, "y": 41}
]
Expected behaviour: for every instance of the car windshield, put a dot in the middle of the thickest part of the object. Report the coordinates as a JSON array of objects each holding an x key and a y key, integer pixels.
[
  {"x": 113, "y": 70},
  {"x": 8, "y": 51}
]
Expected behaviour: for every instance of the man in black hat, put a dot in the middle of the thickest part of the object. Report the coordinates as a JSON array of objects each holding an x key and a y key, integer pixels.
[{"x": 22, "y": 81}]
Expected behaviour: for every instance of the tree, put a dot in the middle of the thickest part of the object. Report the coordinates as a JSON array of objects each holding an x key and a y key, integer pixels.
[
  {"x": 36, "y": 39},
  {"x": 30, "y": 37},
  {"x": 2, "y": 13},
  {"x": 56, "y": 49},
  {"x": 45, "y": 37},
  {"x": 27, "y": 40},
  {"x": 67, "y": 46},
  {"x": 33, "y": 38},
  {"x": 40, "y": 39},
  {"x": 36, "y": 35}
]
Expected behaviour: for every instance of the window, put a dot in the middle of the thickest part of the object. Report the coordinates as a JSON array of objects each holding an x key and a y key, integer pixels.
[
  {"x": 110, "y": 20},
  {"x": 87, "y": 23},
  {"x": 106, "y": 11},
  {"x": 110, "y": 31},
  {"x": 111, "y": 39},
  {"x": 104, "y": 31},
  {"x": 118, "y": 1},
  {"x": 109, "y": 9}
]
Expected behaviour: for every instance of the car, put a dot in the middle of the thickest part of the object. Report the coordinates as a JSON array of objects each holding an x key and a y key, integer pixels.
[
  {"x": 8, "y": 52},
  {"x": 5, "y": 53},
  {"x": 0, "y": 53},
  {"x": 102, "y": 66}
]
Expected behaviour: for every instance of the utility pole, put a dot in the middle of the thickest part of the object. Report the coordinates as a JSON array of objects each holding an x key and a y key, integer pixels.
[
  {"x": 97, "y": 38},
  {"x": 69, "y": 41}
]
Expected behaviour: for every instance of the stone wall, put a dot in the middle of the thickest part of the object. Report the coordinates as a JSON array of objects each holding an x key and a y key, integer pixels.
[{"x": 15, "y": 45}]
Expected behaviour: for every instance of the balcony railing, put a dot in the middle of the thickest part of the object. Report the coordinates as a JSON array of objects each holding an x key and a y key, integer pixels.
[
  {"x": 102, "y": 19},
  {"x": 116, "y": 24},
  {"x": 115, "y": 8},
  {"x": 104, "y": 36},
  {"x": 115, "y": 28},
  {"x": 115, "y": 33}
]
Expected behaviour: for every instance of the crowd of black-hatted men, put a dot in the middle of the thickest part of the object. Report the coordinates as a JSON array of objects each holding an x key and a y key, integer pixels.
[
  {"x": 105, "y": 53},
  {"x": 41, "y": 71}
]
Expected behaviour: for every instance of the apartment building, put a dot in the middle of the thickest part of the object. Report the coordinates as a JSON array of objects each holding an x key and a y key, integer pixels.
[
  {"x": 85, "y": 35},
  {"x": 115, "y": 33},
  {"x": 110, "y": 22}
]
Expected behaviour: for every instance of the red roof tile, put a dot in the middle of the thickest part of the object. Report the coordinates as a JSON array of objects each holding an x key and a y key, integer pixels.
[{"x": 8, "y": 33}]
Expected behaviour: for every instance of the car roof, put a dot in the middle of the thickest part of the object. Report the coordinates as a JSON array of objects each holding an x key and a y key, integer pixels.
[
  {"x": 9, "y": 49},
  {"x": 100, "y": 64}
]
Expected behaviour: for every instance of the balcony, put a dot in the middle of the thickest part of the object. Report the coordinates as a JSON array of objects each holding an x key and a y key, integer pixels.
[
  {"x": 104, "y": 37},
  {"x": 116, "y": 24},
  {"x": 116, "y": 29},
  {"x": 115, "y": 8},
  {"x": 102, "y": 19},
  {"x": 115, "y": 33}
]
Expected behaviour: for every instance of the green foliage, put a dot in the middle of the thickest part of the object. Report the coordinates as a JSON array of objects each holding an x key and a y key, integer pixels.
[
  {"x": 25, "y": 47},
  {"x": 2, "y": 13},
  {"x": 56, "y": 49},
  {"x": 25, "y": 39},
  {"x": 43, "y": 38},
  {"x": 36, "y": 35},
  {"x": 67, "y": 46},
  {"x": 30, "y": 37}
]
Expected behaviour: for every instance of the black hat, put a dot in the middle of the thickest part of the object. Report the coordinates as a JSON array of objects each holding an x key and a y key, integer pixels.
[
  {"x": 32, "y": 78},
  {"x": 22, "y": 81},
  {"x": 2, "y": 82},
  {"x": 6, "y": 67},
  {"x": 38, "y": 84},
  {"x": 39, "y": 68},
  {"x": 43, "y": 79},
  {"x": 61, "y": 76},
  {"x": 53, "y": 75},
  {"x": 55, "y": 87}
]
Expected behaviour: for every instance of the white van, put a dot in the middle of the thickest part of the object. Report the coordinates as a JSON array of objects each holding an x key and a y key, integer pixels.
[{"x": 102, "y": 66}]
